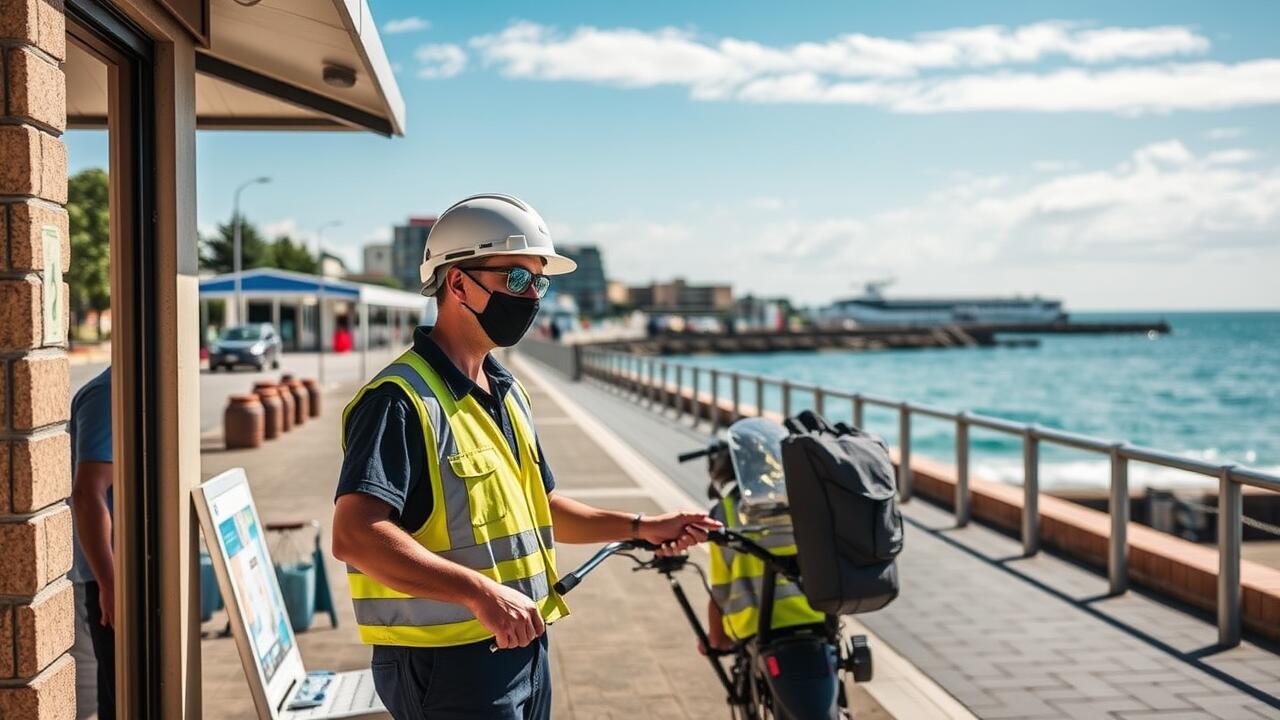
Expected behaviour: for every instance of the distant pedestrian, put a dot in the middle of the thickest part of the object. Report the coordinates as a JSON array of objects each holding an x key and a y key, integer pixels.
[
  {"x": 93, "y": 567},
  {"x": 446, "y": 503}
]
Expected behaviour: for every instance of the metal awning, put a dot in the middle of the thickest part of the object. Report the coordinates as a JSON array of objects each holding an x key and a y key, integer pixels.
[
  {"x": 264, "y": 68},
  {"x": 272, "y": 282}
]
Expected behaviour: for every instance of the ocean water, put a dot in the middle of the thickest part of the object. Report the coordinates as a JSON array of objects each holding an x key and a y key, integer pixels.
[{"x": 1210, "y": 389}]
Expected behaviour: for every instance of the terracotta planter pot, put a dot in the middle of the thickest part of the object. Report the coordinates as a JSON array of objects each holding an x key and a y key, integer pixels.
[
  {"x": 313, "y": 393},
  {"x": 301, "y": 399},
  {"x": 272, "y": 409},
  {"x": 243, "y": 422},
  {"x": 286, "y": 407}
]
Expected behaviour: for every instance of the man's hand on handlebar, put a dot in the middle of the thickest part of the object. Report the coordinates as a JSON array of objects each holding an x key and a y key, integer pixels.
[
  {"x": 509, "y": 614},
  {"x": 676, "y": 532}
]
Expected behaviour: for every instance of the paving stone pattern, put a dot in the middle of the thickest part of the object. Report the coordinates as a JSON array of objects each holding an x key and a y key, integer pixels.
[{"x": 1015, "y": 637}]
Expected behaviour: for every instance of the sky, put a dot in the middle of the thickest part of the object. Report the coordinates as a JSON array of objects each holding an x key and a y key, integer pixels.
[{"x": 1113, "y": 155}]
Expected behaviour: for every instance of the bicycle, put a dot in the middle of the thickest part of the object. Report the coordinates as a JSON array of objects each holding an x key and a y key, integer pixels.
[{"x": 791, "y": 673}]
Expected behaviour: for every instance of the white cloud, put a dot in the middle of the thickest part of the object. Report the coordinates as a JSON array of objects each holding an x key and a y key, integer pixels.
[
  {"x": 284, "y": 227},
  {"x": 1224, "y": 133},
  {"x": 1231, "y": 156},
  {"x": 405, "y": 25},
  {"x": 1160, "y": 204},
  {"x": 913, "y": 75},
  {"x": 440, "y": 61},
  {"x": 1161, "y": 218},
  {"x": 1126, "y": 90},
  {"x": 637, "y": 58}
]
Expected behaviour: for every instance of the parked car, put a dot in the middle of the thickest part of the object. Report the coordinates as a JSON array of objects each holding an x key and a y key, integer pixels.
[{"x": 256, "y": 344}]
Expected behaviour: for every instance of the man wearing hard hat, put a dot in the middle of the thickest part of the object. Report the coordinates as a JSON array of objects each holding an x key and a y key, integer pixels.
[{"x": 445, "y": 506}]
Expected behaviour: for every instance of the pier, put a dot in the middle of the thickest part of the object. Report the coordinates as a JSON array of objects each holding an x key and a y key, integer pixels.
[{"x": 869, "y": 338}]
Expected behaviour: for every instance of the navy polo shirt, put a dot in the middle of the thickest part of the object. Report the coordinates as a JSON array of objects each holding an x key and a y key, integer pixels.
[{"x": 386, "y": 454}]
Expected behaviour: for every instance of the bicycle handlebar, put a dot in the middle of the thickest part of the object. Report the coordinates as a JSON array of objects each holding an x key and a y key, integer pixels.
[
  {"x": 692, "y": 455},
  {"x": 784, "y": 565},
  {"x": 713, "y": 446},
  {"x": 572, "y": 578}
]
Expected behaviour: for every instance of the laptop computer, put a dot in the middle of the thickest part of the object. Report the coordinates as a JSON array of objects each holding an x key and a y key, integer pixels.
[{"x": 281, "y": 686}]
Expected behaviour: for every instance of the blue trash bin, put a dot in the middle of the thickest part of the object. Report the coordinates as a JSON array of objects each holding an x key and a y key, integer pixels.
[
  {"x": 210, "y": 596},
  {"x": 298, "y": 584}
]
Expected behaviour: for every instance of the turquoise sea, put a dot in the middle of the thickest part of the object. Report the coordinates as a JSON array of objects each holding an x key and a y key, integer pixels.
[{"x": 1210, "y": 389}]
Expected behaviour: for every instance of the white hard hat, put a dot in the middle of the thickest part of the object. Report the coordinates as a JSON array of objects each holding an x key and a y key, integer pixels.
[{"x": 483, "y": 225}]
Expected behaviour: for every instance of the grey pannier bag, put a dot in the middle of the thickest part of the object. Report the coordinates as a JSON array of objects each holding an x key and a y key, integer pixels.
[{"x": 843, "y": 501}]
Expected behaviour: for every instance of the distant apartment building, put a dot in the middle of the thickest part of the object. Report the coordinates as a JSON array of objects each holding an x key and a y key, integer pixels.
[
  {"x": 678, "y": 296},
  {"x": 587, "y": 284},
  {"x": 407, "y": 246},
  {"x": 377, "y": 261}
]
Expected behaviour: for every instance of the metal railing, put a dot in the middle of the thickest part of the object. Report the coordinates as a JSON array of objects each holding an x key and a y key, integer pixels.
[{"x": 625, "y": 369}]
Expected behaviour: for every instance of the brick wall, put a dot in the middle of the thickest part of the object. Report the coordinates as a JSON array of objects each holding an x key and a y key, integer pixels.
[{"x": 37, "y": 677}]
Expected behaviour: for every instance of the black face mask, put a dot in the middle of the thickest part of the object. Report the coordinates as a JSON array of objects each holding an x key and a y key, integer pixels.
[{"x": 505, "y": 318}]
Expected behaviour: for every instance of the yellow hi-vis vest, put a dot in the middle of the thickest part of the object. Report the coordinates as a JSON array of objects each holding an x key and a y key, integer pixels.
[
  {"x": 488, "y": 512},
  {"x": 737, "y": 580}
]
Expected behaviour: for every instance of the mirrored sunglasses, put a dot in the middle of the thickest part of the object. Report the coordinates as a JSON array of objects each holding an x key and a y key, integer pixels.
[{"x": 519, "y": 279}]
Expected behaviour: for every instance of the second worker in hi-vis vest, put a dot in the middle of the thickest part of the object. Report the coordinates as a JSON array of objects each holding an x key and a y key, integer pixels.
[{"x": 446, "y": 514}]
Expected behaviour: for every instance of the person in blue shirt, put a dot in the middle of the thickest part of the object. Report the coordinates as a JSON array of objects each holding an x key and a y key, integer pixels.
[{"x": 94, "y": 564}]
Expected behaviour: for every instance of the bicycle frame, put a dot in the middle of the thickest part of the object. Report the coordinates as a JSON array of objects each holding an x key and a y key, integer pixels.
[{"x": 668, "y": 566}]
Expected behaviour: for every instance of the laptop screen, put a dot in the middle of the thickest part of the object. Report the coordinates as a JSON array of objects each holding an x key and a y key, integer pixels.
[{"x": 243, "y": 546}]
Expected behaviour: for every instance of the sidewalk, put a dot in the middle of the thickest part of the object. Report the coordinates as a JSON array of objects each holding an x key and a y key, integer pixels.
[
  {"x": 625, "y": 652},
  {"x": 1020, "y": 637}
]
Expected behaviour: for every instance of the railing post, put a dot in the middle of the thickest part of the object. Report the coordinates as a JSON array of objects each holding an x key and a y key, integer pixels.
[
  {"x": 904, "y": 452},
  {"x": 679, "y": 391},
  {"x": 714, "y": 407},
  {"x": 647, "y": 377},
  {"x": 786, "y": 399},
  {"x": 662, "y": 381},
  {"x": 819, "y": 401},
  {"x": 650, "y": 374},
  {"x": 1118, "y": 543},
  {"x": 759, "y": 396},
  {"x": 1230, "y": 529},
  {"x": 1030, "y": 492},
  {"x": 694, "y": 371},
  {"x": 962, "y": 499},
  {"x": 736, "y": 380},
  {"x": 857, "y": 410}
]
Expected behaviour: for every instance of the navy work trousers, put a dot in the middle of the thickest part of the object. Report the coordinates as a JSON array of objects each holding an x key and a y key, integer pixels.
[{"x": 467, "y": 681}]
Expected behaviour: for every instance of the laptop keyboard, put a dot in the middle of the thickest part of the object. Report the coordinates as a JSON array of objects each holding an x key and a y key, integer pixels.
[{"x": 352, "y": 692}]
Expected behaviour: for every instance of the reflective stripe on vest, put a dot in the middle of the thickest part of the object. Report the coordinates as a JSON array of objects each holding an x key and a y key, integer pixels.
[
  {"x": 489, "y": 512},
  {"x": 737, "y": 580}
]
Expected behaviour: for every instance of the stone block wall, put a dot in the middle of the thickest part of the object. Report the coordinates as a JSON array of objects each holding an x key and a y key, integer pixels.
[{"x": 37, "y": 676}]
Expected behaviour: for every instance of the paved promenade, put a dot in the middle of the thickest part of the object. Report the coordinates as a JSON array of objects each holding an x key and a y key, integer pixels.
[
  {"x": 1015, "y": 637},
  {"x": 625, "y": 652}
]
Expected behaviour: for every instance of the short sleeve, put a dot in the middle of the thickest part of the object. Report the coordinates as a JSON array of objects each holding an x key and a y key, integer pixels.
[
  {"x": 384, "y": 448},
  {"x": 92, "y": 419}
]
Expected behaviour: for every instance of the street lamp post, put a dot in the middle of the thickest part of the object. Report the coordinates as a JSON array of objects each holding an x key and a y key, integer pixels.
[
  {"x": 320, "y": 297},
  {"x": 235, "y": 233}
]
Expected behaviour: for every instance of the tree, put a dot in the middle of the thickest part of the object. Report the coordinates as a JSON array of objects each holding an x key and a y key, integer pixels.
[
  {"x": 88, "y": 211},
  {"x": 217, "y": 252},
  {"x": 289, "y": 255}
]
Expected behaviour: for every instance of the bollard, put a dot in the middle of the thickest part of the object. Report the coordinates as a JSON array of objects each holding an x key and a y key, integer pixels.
[
  {"x": 272, "y": 409},
  {"x": 313, "y": 395},
  {"x": 301, "y": 401},
  {"x": 242, "y": 422}
]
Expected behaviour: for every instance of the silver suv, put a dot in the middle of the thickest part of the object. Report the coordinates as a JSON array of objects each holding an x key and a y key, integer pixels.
[{"x": 256, "y": 344}]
